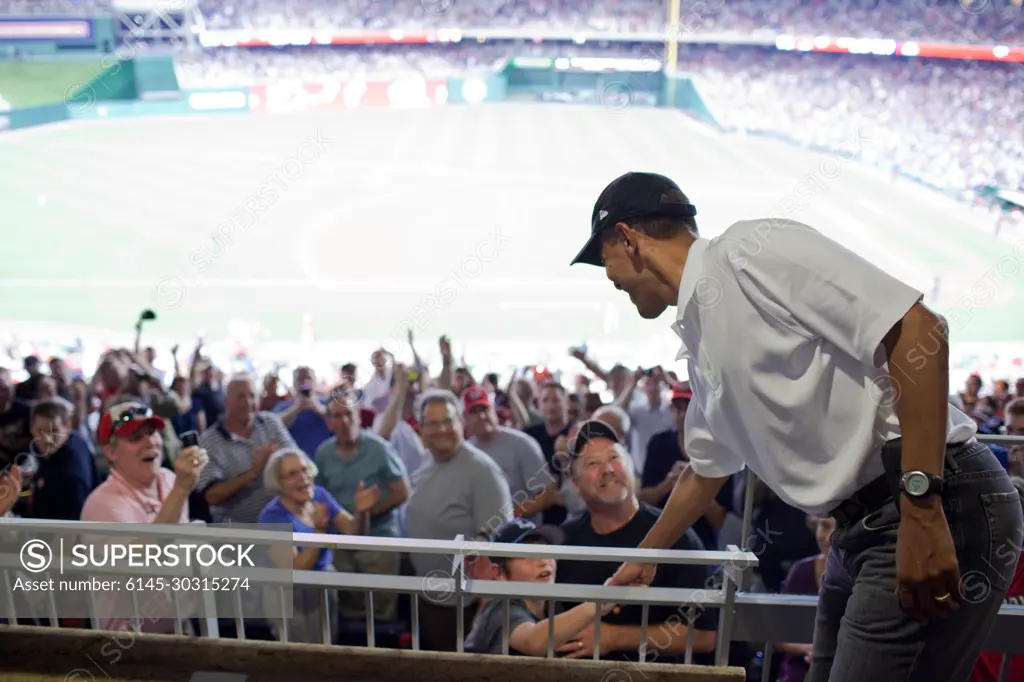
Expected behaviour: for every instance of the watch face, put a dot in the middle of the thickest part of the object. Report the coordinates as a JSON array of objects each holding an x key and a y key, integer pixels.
[{"x": 916, "y": 483}]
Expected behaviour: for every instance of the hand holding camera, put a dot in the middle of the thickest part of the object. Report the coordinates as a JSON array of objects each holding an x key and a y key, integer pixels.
[{"x": 189, "y": 463}]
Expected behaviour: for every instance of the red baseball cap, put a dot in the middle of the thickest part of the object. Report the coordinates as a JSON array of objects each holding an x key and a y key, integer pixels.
[
  {"x": 125, "y": 419},
  {"x": 475, "y": 396},
  {"x": 681, "y": 391}
]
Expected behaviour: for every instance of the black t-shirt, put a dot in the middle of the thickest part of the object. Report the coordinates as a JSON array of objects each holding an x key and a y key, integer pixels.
[
  {"x": 556, "y": 514},
  {"x": 663, "y": 452},
  {"x": 15, "y": 435},
  {"x": 579, "y": 533}
]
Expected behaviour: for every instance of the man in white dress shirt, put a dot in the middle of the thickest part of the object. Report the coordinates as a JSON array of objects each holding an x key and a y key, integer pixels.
[{"x": 828, "y": 378}]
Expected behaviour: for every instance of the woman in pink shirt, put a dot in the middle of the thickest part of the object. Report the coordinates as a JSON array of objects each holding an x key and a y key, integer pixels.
[{"x": 138, "y": 490}]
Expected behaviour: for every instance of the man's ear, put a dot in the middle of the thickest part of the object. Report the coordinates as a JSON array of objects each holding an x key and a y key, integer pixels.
[
  {"x": 624, "y": 233},
  {"x": 107, "y": 451}
]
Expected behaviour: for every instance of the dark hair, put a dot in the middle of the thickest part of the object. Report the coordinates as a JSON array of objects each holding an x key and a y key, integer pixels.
[
  {"x": 32, "y": 385},
  {"x": 50, "y": 409},
  {"x": 555, "y": 385},
  {"x": 658, "y": 227},
  {"x": 502, "y": 561},
  {"x": 1015, "y": 407},
  {"x": 349, "y": 368}
]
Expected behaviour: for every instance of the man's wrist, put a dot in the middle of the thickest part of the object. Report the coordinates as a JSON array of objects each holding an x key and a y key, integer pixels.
[
  {"x": 920, "y": 506},
  {"x": 616, "y": 638},
  {"x": 182, "y": 485}
]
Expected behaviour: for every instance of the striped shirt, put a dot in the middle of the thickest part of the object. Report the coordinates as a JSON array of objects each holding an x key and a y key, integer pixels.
[{"x": 230, "y": 456}]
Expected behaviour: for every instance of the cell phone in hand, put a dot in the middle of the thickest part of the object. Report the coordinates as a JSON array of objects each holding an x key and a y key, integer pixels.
[{"x": 190, "y": 439}]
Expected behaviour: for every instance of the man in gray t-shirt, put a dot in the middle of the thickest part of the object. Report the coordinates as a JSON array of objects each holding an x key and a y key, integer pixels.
[
  {"x": 459, "y": 491},
  {"x": 519, "y": 456}
]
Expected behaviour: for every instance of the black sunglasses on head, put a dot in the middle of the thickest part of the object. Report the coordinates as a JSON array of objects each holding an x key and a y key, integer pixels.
[{"x": 128, "y": 415}]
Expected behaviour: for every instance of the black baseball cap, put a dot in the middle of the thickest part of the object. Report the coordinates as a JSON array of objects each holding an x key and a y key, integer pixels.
[
  {"x": 520, "y": 530},
  {"x": 628, "y": 197},
  {"x": 589, "y": 430}
]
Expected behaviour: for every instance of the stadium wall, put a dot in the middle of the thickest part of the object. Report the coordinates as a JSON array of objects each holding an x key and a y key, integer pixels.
[{"x": 688, "y": 98}]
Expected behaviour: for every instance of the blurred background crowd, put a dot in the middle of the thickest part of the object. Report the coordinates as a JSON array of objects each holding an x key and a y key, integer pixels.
[{"x": 963, "y": 21}]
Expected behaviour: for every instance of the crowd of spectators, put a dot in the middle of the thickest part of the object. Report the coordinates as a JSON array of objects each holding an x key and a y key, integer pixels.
[
  {"x": 54, "y": 7},
  {"x": 396, "y": 450},
  {"x": 968, "y": 21},
  {"x": 961, "y": 21},
  {"x": 952, "y": 123}
]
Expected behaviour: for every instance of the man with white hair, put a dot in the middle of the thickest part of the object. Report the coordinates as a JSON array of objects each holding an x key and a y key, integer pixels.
[
  {"x": 461, "y": 491},
  {"x": 139, "y": 490},
  {"x": 239, "y": 445}
]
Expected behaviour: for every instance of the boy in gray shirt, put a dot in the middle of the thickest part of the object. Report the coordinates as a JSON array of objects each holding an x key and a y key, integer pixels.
[{"x": 527, "y": 622}]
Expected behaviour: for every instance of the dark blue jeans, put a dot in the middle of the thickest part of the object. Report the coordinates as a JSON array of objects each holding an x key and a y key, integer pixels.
[{"x": 862, "y": 633}]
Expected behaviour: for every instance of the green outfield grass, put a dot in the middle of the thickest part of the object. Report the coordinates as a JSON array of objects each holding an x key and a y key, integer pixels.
[
  {"x": 30, "y": 84},
  {"x": 462, "y": 220}
]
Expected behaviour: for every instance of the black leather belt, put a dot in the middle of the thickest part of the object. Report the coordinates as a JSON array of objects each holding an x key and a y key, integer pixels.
[{"x": 868, "y": 499}]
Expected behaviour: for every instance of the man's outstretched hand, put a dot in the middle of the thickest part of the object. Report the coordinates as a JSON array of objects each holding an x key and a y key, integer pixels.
[{"x": 633, "y": 575}]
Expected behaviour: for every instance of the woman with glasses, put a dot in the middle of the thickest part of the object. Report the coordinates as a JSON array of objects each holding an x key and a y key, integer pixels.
[{"x": 308, "y": 508}]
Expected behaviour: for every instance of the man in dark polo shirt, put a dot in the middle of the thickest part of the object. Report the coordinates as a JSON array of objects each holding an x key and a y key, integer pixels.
[
  {"x": 601, "y": 472},
  {"x": 67, "y": 467},
  {"x": 14, "y": 421},
  {"x": 666, "y": 460},
  {"x": 554, "y": 410}
]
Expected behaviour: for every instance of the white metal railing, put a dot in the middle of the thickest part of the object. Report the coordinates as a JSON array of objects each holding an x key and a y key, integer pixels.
[
  {"x": 455, "y": 585},
  {"x": 745, "y": 616}
]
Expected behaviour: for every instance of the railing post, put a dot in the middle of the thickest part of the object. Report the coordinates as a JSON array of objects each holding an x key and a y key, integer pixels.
[
  {"x": 208, "y": 624},
  {"x": 460, "y": 587},
  {"x": 725, "y": 622},
  {"x": 415, "y": 617},
  {"x": 748, "y": 521},
  {"x": 325, "y": 617}
]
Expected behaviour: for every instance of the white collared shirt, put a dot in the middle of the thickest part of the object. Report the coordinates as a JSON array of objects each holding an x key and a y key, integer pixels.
[{"x": 781, "y": 330}]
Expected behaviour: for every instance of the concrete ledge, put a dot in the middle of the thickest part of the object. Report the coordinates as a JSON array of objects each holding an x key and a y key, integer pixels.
[{"x": 32, "y": 654}]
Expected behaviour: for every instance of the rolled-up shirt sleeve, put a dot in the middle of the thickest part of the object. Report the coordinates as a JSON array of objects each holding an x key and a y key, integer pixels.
[
  {"x": 828, "y": 290},
  {"x": 708, "y": 457}
]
